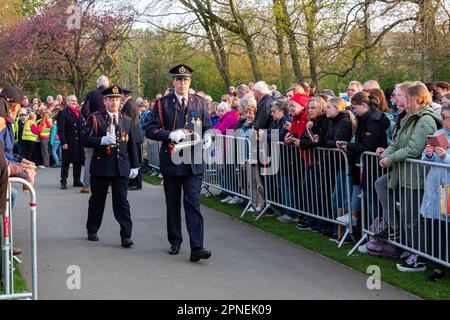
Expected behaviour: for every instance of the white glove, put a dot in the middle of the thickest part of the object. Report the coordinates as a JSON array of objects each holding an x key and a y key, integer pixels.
[
  {"x": 177, "y": 136},
  {"x": 108, "y": 140},
  {"x": 134, "y": 173},
  {"x": 207, "y": 141}
]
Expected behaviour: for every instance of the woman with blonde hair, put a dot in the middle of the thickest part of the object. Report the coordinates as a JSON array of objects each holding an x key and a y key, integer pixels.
[{"x": 407, "y": 178}]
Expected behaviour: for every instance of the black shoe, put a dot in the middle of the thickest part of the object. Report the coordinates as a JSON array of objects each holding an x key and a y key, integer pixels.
[
  {"x": 63, "y": 186},
  {"x": 78, "y": 184},
  {"x": 127, "y": 242},
  {"x": 413, "y": 263},
  {"x": 132, "y": 188},
  {"x": 306, "y": 224},
  {"x": 198, "y": 254},
  {"x": 92, "y": 237},
  {"x": 175, "y": 249}
]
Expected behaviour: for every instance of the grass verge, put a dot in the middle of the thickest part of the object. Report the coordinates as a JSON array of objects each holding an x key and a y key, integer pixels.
[
  {"x": 19, "y": 282},
  {"x": 415, "y": 283}
]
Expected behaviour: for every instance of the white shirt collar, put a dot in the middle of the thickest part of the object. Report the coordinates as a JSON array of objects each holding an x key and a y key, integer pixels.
[
  {"x": 181, "y": 97},
  {"x": 113, "y": 114}
]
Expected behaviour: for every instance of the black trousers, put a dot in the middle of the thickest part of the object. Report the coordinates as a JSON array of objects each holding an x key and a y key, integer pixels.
[
  {"x": 121, "y": 207},
  {"x": 29, "y": 149},
  {"x": 138, "y": 180},
  {"x": 76, "y": 172},
  {"x": 191, "y": 185}
]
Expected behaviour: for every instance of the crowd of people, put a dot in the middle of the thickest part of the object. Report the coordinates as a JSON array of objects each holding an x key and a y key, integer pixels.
[{"x": 393, "y": 123}]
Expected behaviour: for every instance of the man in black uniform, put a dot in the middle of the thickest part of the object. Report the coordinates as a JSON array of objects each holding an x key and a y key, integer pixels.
[
  {"x": 131, "y": 109},
  {"x": 172, "y": 117},
  {"x": 114, "y": 161}
]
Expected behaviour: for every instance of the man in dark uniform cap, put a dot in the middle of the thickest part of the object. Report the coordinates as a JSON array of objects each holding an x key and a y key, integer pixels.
[
  {"x": 172, "y": 117},
  {"x": 131, "y": 109},
  {"x": 114, "y": 161}
]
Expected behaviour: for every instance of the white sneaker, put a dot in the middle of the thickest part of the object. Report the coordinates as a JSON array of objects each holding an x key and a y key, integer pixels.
[
  {"x": 362, "y": 249},
  {"x": 227, "y": 199},
  {"x": 345, "y": 219},
  {"x": 236, "y": 200},
  {"x": 251, "y": 210},
  {"x": 42, "y": 167}
]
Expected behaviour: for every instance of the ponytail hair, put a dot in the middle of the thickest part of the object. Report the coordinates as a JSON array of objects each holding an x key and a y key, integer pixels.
[{"x": 363, "y": 97}]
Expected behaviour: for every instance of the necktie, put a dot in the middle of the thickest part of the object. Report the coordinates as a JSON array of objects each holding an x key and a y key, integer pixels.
[{"x": 183, "y": 103}]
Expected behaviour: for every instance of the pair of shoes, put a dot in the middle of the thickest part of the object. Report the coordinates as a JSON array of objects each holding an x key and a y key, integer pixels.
[
  {"x": 63, "y": 186},
  {"x": 236, "y": 200},
  {"x": 388, "y": 233},
  {"x": 413, "y": 263},
  {"x": 251, "y": 210},
  {"x": 436, "y": 275},
  {"x": 42, "y": 167},
  {"x": 92, "y": 237},
  {"x": 127, "y": 242},
  {"x": 78, "y": 184},
  {"x": 16, "y": 251},
  {"x": 287, "y": 218},
  {"x": 198, "y": 254},
  {"x": 306, "y": 224},
  {"x": 227, "y": 199},
  {"x": 345, "y": 219},
  {"x": 85, "y": 190},
  {"x": 174, "y": 249},
  {"x": 338, "y": 240}
]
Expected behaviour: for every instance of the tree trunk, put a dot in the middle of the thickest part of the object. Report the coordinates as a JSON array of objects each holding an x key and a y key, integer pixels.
[
  {"x": 279, "y": 34},
  {"x": 252, "y": 56},
  {"x": 310, "y": 10},
  {"x": 426, "y": 19},
  {"x": 295, "y": 56}
]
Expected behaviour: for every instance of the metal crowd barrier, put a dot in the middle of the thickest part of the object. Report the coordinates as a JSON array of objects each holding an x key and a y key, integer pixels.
[
  {"x": 416, "y": 213},
  {"x": 315, "y": 183},
  {"x": 153, "y": 153},
  {"x": 228, "y": 167},
  {"x": 7, "y": 241}
]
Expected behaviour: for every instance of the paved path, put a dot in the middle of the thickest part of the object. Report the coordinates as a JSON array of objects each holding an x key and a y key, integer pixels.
[{"x": 245, "y": 264}]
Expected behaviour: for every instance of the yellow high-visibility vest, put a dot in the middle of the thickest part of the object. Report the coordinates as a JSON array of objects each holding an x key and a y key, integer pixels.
[{"x": 27, "y": 134}]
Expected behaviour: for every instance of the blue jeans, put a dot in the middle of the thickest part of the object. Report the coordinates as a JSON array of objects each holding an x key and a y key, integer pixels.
[
  {"x": 56, "y": 153},
  {"x": 341, "y": 195},
  {"x": 14, "y": 194}
]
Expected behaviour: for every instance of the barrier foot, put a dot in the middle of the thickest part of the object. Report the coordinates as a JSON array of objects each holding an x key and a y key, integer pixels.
[
  {"x": 246, "y": 209},
  {"x": 360, "y": 242},
  {"x": 262, "y": 212},
  {"x": 206, "y": 188},
  {"x": 347, "y": 232}
]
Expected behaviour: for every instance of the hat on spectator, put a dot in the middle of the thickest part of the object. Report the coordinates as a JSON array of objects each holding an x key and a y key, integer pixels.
[
  {"x": 126, "y": 91},
  {"x": 22, "y": 111},
  {"x": 301, "y": 98},
  {"x": 12, "y": 94}
]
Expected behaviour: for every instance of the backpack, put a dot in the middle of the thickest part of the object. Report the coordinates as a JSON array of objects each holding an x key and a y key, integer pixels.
[{"x": 381, "y": 248}]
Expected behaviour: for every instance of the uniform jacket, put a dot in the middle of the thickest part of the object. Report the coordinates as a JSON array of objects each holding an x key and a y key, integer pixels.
[
  {"x": 174, "y": 117},
  {"x": 109, "y": 161},
  {"x": 70, "y": 133}
]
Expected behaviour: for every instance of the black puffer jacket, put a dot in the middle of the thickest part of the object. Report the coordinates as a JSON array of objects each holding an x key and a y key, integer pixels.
[
  {"x": 339, "y": 129},
  {"x": 370, "y": 135},
  {"x": 320, "y": 128}
]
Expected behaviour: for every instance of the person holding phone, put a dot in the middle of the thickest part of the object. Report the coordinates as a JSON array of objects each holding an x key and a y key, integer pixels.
[{"x": 431, "y": 209}]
